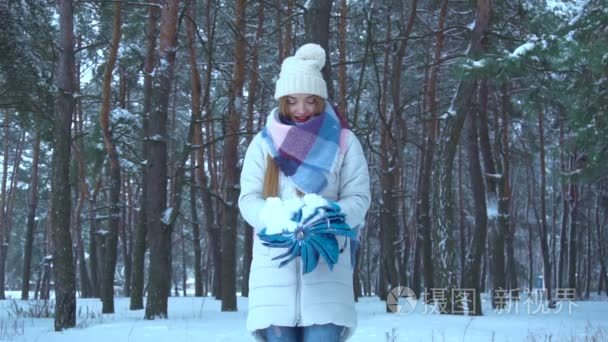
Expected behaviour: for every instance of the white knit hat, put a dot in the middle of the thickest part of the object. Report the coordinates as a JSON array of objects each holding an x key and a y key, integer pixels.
[{"x": 301, "y": 73}]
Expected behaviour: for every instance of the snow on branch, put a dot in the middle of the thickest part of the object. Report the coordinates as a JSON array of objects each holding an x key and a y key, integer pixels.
[{"x": 522, "y": 50}]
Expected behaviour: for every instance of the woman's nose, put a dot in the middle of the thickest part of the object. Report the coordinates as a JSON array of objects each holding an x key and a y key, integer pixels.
[{"x": 300, "y": 108}]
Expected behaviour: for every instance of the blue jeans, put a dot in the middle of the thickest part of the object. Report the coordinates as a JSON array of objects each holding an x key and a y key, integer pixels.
[{"x": 326, "y": 333}]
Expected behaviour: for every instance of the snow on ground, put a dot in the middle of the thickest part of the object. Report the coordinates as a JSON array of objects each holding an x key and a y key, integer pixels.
[{"x": 200, "y": 319}]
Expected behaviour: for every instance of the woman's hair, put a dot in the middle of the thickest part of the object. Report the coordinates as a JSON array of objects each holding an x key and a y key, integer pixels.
[{"x": 271, "y": 177}]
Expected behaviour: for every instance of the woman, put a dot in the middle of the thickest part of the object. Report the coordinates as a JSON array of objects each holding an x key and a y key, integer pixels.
[{"x": 304, "y": 148}]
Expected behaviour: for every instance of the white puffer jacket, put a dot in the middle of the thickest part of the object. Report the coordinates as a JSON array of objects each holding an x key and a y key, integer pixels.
[{"x": 283, "y": 296}]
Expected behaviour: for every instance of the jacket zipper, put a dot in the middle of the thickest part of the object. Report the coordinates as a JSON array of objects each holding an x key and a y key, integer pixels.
[{"x": 298, "y": 281}]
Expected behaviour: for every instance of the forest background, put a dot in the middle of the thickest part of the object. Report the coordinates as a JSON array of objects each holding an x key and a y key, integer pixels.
[{"x": 124, "y": 124}]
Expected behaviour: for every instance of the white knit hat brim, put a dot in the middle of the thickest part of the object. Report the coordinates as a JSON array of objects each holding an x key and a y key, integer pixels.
[{"x": 300, "y": 84}]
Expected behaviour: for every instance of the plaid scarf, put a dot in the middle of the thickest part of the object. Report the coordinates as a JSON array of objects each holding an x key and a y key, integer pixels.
[{"x": 306, "y": 152}]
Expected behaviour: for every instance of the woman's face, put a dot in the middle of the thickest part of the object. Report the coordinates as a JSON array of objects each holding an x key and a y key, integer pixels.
[{"x": 301, "y": 107}]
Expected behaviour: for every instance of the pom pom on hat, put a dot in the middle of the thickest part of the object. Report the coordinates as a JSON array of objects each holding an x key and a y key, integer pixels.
[
  {"x": 312, "y": 52},
  {"x": 301, "y": 73}
]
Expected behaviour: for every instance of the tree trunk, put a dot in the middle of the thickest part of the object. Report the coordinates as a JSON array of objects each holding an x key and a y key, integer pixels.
[
  {"x": 184, "y": 259},
  {"x": 447, "y": 147},
  {"x": 207, "y": 156},
  {"x": 388, "y": 218},
  {"x": 179, "y": 167},
  {"x": 127, "y": 211},
  {"x": 231, "y": 161},
  {"x": 462, "y": 225},
  {"x": 10, "y": 204},
  {"x": 600, "y": 248},
  {"x": 279, "y": 31},
  {"x": 506, "y": 225},
  {"x": 484, "y": 142},
  {"x": 530, "y": 195},
  {"x": 94, "y": 261},
  {"x": 63, "y": 266},
  {"x": 358, "y": 285},
  {"x": 100, "y": 236},
  {"x": 177, "y": 171},
  {"x": 368, "y": 268},
  {"x": 127, "y": 235},
  {"x": 580, "y": 249},
  {"x": 4, "y": 222},
  {"x": 141, "y": 233},
  {"x": 81, "y": 188},
  {"x": 316, "y": 26},
  {"x": 573, "y": 238},
  {"x": 554, "y": 236},
  {"x": 450, "y": 135},
  {"x": 196, "y": 235},
  {"x": 473, "y": 270},
  {"x": 31, "y": 218},
  {"x": 512, "y": 271},
  {"x": 288, "y": 37},
  {"x": 447, "y": 262},
  {"x": 45, "y": 281},
  {"x": 484, "y": 272},
  {"x": 399, "y": 132},
  {"x": 366, "y": 54},
  {"x": 7, "y": 198},
  {"x": 563, "y": 236},
  {"x": 253, "y": 85},
  {"x": 107, "y": 296},
  {"x": 124, "y": 249},
  {"x": 543, "y": 231},
  {"x": 416, "y": 286},
  {"x": 342, "y": 105},
  {"x": 85, "y": 283},
  {"x": 195, "y": 80},
  {"x": 156, "y": 175},
  {"x": 45, "y": 244},
  {"x": 398, "y": 135},
  {"x": 7, "y": 195},
  {"x": 587, "y": 288},
  {"x": 495, "y": 186},
  {"x": 387, "y": 270}
]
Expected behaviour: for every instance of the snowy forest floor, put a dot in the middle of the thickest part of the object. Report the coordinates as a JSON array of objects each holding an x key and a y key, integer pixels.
[{"x": 200, "y": 319}]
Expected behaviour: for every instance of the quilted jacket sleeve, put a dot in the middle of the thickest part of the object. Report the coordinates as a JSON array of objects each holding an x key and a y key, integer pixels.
[
  {"x": 354, "y": 191},
  {"x": 252, "y": 183}
]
